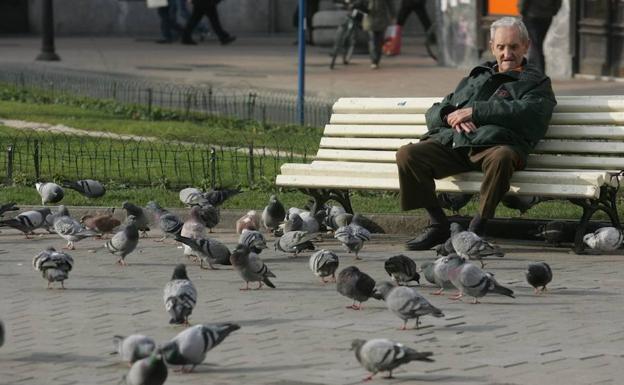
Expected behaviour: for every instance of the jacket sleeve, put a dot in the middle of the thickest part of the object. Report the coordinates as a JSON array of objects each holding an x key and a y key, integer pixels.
[
  {"x": 435, "y": 115},
  {"x": 528, "y": 115}
]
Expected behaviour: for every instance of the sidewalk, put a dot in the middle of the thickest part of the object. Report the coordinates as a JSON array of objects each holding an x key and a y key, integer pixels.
[{"x": 268, "y": 62}]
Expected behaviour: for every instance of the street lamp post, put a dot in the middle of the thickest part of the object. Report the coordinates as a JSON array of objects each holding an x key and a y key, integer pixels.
[
  {"x": 301, "y": 90},
  {"x": 47, "y": 31}
]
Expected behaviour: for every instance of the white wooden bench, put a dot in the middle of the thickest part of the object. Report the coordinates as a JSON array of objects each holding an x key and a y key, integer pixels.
[{"x": 579, "y": 159}]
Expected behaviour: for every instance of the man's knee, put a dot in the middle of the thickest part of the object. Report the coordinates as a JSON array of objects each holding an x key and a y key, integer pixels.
[
  {"x": 410, "y": 153},
  {"x": 506, "y": 157}
]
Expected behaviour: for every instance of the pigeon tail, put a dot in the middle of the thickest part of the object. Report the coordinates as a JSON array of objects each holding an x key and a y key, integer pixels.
[
  {"x": 413, "y": 355},
  {"x": 498, "y": 289},
  {"x": 268, "y": 283}
]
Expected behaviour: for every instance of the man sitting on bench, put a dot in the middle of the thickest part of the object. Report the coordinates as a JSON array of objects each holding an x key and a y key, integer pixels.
[{"x": 490, "y": 123}]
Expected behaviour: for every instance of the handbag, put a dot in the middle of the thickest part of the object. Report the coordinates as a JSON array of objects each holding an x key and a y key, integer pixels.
[{"x": 392, "y": 45}]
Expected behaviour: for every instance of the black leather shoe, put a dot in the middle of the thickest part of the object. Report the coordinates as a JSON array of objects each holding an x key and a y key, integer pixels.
[
  {"x": 188, "y": 42},
  {"x": 430, "y": 236},
  {"x": 227, "y": 40}
]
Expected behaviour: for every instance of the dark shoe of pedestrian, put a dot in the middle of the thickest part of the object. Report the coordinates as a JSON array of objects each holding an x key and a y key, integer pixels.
[
  {"x": 228, "y": 39},
  {"x": 164, "y": 41},
  {"x": 430, "y": 236},
  {"x": 188, "y": 41}
]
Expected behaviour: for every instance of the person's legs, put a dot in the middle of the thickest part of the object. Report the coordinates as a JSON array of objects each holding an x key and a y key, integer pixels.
[
  {"x": 537, "y": 28},
  {"x": 421, "y": 11},
  {"x": 213, "y": 17},
  {"x": 404, "y": 11},
  {"x": 375, "y": 44},
  {"x": 165, "y": 24},
  {"x": 196, "y": 16}
]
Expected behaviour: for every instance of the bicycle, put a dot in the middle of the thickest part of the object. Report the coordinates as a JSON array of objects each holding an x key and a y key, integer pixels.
[
  {"x": 346, "y": 32},
  {"x": 431, "y": 42}
]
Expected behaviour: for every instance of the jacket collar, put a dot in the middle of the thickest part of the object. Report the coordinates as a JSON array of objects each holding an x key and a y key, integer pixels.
[{"x": 529, "y": 72}]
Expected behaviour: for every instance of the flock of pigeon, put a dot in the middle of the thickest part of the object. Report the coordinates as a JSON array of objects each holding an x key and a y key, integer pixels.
[{"x": 296, "y": 230}]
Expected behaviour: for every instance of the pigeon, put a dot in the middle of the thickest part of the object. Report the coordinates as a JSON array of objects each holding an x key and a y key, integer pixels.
[
  {"x": 194, "y": 228},
  {"x": 253, "y": 239},
  {"x": 250, "y": 267},
  {"x": 133, "y": 347},
  {"x": 440, "y": 274},
  {"x": 7, "y": 207},
  {"x": 249, "y": 221},
  {"x": 294, "y": 223},
  {"x": 210, "y": 215},
  {"x": 140, "y": 219},
  {"x": 102, "y": 223},
  {"x": 352, "y": 237},
  {"x": 522, "y": 203},
  {"x": 54, "y": 266},
  {"x": 453, "y": 201},
  {"x": 179, "y": 296},
  {"x": 312, "y": 223},
  {"x": 170, "y": 224},
  {"x": 192, "y": 196},
  {"x": 125, "y": 241},
  {"x": 273, "y": 214},
  {"x": 50, "y": 217},
  {"x": 294, "y": 210},
  {"x": 604, "y": 239},
  {"x": 26, "y": 222},
  {"x": 357, "y": 285},
  {"x": 382, "y": 355},
  {"x": 538, "y": 275},
  {"x": 190, "y": 346},
  {"x": 472, "y": 281},
  {"x": 210, "y": 251},
  {"x": 1, "y": 333},
  {"x": 295, "y": 242},
  {"x": 338, "y": 220},
  {"x": 367, "y": 223},
  {"x": 406, "y": 303},
  {"x": 148, "y": 371},
  {"x": 470, "y": 246},
  {"x": 71, "y": 230},
  {"x": 87, "y": 187},
  {"x": 552, "y": 232},
  {"x": 217, "y": 197},
  {"x": 402, "y": 269},
  {"x": 324, "y": 263},
  {"x": 49, "y": 192},
  {"x": 427, "y": 270},
  {"x": 446, "y": 248}
]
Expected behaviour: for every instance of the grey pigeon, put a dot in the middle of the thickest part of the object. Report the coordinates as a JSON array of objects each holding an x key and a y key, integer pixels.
[
  {"x": 150, "y": 370},
  {"x": 604, "y": 239},
  {"x": 210, "y": 215},
  {"x": 552, "y": 232},
  {"x": 192, "y": 196},
  {"x": 250, "y": 267},
  {"x": 217, "y": 197},
  {"x": 440, "y": 274},
  {"x": 471, "y": 246},
  {"x": 195, "y": 228},
  {"x": 357, "y": 285},
  {"x": 538, "y": 275},
  {"x": 5, "y": 207},
  {"x": 26, "y": 222},
  {"x": 71, "y": 230},
  {"x": 453, "y": 201},
  {"x": 2, "y": 332},
  {"x": 427, "y": 270},
  {"x": 294, "y": 223},
  {"x": 170, "y": 224},
  {"x": 190, "y": 346},
  {"x": 54, "y": 266},
  {"x": 382, "y": 355},
  {"x": 253, "y": 239},
  {"x": 180, "y": 296},
  {"x": 402, "y": 269},
  {"x": 352, "y": 237},
  {"x": 338, "y": 220},
  {"x": 324, "y": 263},
  {"x": 446, "y": 248},
  {"x": 50, "y": 216},
  {"x": 133, "y": 347},
  {"x": 273, "y": 214},
  {"x": 49, "y": 192},
  {"x": 406, "y": 303},
  {"x": 124, "y": 241},
  {"x": 295, "y": 242},
  {"x": 522, "y": 203},
  {"x": 210, "y": 251},
  {"x": 87, "y": 187},
  {"x": 140, "y": 219},
  {"x": 472, "y": 281},
  {"x": 294, "y": 210},
  {"x": 312, "y": 223}
]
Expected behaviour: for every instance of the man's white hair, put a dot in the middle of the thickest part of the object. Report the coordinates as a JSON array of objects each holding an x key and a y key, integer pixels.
[{"x": 508, "y": 22}]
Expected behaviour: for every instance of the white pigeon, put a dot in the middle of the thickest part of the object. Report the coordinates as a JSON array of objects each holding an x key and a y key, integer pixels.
[
  {"x": 604, "y": 239},
  {"x": 133, "y": 347},
  {"x": 382, "y": 355},
  {"x": 470, "y": 246},
  {"x": 49, "y": 192},
  {"x": 71, "y": 230},
  {"x": 180, "y": 296}
]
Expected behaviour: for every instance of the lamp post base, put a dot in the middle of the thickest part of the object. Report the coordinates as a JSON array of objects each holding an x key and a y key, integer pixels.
[{"x": 48, "y": 56}]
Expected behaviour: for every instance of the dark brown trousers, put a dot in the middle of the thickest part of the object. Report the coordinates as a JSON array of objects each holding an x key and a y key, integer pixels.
[{"x": 420, "y": 163}]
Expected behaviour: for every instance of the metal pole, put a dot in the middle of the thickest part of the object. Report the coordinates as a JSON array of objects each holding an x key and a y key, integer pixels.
[
  {"x": 47, "y": 33},
  {"x": 301, "y": 90}
]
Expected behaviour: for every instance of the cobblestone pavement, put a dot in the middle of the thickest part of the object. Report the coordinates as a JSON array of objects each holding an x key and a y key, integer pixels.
[{"x": 300, "y": 333}]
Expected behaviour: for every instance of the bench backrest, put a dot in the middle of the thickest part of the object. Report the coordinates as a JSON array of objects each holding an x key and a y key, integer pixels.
[{"x": 586, "y": 132}]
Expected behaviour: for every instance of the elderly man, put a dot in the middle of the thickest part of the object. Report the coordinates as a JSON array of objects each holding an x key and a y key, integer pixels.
[{"x": 490, "y": 123}]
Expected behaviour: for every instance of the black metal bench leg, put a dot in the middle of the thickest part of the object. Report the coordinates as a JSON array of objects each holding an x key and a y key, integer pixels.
[
  {"x": 605, "y": 202},
  {"x": 321, "y": 196}
]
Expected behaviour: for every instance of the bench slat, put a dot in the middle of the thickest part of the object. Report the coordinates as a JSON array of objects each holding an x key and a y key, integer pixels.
[
  {"x": 420, "y": 105},
  {"x": 552, "y": 190},
  {"x": 588, "y": 118},
  {"x": 535, "y": 161},
  {"x": 548, "y": 146},
  {"x": 408, "y": 131},
  {"x": 388, "y": 170}
]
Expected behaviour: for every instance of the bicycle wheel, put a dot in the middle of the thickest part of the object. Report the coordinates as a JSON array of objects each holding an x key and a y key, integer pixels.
[
  {"x": 338, "y": 45},
  {"x": 349, "y": 44},
  {"x": 431, "y": 42}
]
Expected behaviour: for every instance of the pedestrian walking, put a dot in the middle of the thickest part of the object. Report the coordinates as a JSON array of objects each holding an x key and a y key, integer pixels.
[
  {"x": 206, "y": 8},
  {"x": 537, "y": 15},
  {"x": 380, "y": 15}
]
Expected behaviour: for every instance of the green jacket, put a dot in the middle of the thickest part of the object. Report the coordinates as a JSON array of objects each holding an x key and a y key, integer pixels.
[
  {"x": 511, "y": 108},
  {"x": 380, "y": 14}
]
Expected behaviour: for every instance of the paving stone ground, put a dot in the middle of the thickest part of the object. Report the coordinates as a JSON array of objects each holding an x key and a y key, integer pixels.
[{"x": 300, "y": 333}]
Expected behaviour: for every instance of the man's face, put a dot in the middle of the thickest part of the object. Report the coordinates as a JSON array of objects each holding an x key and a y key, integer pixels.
[{"x": 508, "y": 48}]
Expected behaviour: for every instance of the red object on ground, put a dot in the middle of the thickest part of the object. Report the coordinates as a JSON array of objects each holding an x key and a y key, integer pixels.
[{"x": 392, "y": 46}]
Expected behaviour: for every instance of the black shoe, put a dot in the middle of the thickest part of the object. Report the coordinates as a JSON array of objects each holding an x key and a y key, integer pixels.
[
  {"x": 430, "y": 236},
  {"x": 164, "y": 41},
  {"x": 227, "y": 40},
  {"x": 188, "y": 42}
]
